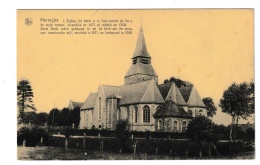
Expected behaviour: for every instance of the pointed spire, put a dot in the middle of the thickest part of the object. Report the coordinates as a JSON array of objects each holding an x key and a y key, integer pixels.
[{"x": 140, "y": 49}]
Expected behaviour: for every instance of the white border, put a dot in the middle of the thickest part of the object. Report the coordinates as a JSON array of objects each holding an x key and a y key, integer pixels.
[{"x": 8, "y": 60}]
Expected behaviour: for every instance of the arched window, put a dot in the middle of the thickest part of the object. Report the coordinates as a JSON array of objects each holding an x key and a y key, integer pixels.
[
  {"x": 200, "y": 112},
  {"x": 146, "y": 114},
  {"x": 158, "y": 107},
  {"x": 135, "y": 114},
  {"x": 159, "y": 124},
  {"x": 128, "y": 113},
  {"x": 175, "y": 125},
  {"x": 190, "y": 112},
  {"x": 184, "y": 125},
  {"x": 169, "y": 124}
]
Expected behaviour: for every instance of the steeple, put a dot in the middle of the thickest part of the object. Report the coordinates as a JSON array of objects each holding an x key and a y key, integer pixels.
[
  {"x": 140, "y": 49},
  {"x": 141, "y": 68}
]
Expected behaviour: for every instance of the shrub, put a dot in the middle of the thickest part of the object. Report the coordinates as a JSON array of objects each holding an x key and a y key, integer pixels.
[
  {"x": 122, "y": 135},
  {"x": 32, "y": 135}
]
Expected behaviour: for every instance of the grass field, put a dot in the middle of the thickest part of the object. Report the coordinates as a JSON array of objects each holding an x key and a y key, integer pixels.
[{"x": 57, "y": 153}]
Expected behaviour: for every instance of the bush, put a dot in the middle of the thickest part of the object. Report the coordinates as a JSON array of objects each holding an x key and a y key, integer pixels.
[
  {"x": 32, "y": 135},
  {"x": 123, "y": 134},
  {"x": 250, "y": 135}
]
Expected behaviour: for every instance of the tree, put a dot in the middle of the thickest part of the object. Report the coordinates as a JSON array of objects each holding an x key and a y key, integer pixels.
[
  {"x": 24, "y": 97},
  {"x": 42, "y": 118},
  {"x": 75, "y": 116},
  {"x": 179, "y": 83},
  {"x": 199, "y": 129},
  {"x": 30, "y": 118},
  {"x": 238, "y": 101},
  {"x": 211, "y": 108},
  {"x": 250, "y": 135},
  {"x": 54, "y": 117},
  {"x": 65, "y": 117},
  {"x": 122, "y": 133}
]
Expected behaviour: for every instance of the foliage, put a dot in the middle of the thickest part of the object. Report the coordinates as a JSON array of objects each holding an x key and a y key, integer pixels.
[
  {"x": 64, "y": 117},
  {"x": 32, "y": 135},
  {"x": 42, "y": 118},
  {"x": 122, "y": 133},
  {"x": 54, "y": 117},
  {"x": 75, "y": 117},
  {"x": 35, "y": 118},
  {"x": 211, "y": 108},
  {"x": 30, "y": 118},
  {"x": 24, "y": 97},
  {"x": 200, "y": 128},
  {"x": 179, "y": 83},
  {"x": 250, "y": 135},
  {"x": 238, "y": 101}
]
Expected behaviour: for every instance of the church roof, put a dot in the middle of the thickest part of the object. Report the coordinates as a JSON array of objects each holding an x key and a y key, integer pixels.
[
  {"x": 142, "y": 92},
  {"x": 90, "y": 101},
  {"x": 186, "y": 91},
  {"x": 175, "y": 95},
  {"x": 74, "y": 104},
  {"x": 194, "y": 99},
  {"x": 110, "y": 91},
  {"x": 140, "y": 68},
  {"x": 170, "y": 109},
  {"x": 141, "y": 49}
]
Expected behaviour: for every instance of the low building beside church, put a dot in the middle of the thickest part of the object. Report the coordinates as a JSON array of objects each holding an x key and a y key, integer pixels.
[{"x": 145, "y": 104}]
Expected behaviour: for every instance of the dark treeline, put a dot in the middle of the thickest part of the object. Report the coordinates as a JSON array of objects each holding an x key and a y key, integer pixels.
[{"x": 56, "y": 117}]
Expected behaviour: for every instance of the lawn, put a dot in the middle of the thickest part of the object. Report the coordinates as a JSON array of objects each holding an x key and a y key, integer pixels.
[{"x": 57, "y": 153}]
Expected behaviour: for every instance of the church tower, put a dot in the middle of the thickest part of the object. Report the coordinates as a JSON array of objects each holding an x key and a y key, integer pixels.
[{"x": 141, "y": 68}]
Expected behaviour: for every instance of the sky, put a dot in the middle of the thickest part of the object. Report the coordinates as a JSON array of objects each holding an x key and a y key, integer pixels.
[{"x": 211, "y": 48}]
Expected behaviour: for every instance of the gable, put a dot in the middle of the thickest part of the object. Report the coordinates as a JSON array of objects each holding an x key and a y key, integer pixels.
[
  {"x": 175, "y": 95},
  {"x": 90, "y": 102},
  {"x": 152, "y": 94},
  {"x": 194, "y": 99}
]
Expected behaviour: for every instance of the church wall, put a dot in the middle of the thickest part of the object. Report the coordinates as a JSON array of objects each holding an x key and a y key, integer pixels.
[
  {"x": 139, "y": 125},
  {"x": 99, "y": 103},
  {"x": 85, "y": 119},
  {"x": 111, "y": 114},
  {"x": 196, "y": 111},
  {"x": 139, "y": 78}
]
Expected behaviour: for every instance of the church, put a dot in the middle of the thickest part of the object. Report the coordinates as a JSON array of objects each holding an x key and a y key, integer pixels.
[{"x": 144, "y": 103}]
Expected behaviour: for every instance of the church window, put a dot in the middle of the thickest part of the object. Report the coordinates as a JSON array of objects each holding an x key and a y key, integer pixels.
[
  {"x": 128, "y": 113},
  {"x": 135, "y": 112},
  {"x": 190, "y": 112},
  {"x": 200, "y": 112},
  {"x": 158, "y": 108},
  {"x": 175, "y": 125},
  {"x": 184, "y": 125},
  {"x": 159, "y": 124},
  {"x": 99, "y": 108},
  {"x": 146, "y": 114},
  {"x": 144, "y": 61},
  {"x": 169, "y": 123}
]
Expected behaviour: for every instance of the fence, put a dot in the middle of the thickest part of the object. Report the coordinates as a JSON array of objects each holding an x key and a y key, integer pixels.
[{"x": 172, "y": 147}]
